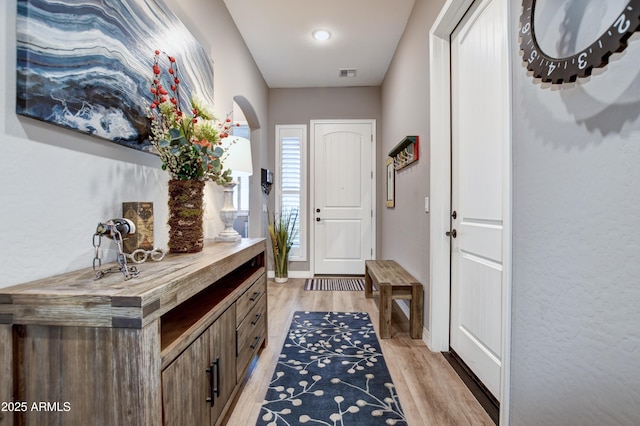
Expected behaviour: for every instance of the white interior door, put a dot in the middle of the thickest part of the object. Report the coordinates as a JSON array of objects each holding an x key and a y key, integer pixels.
[
  {"x": 343, "y": 179},
  {"x": 479, "y": 73}
]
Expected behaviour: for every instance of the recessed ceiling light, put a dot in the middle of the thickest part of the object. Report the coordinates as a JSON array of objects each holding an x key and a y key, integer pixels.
[{"x": 321, "y": 35}]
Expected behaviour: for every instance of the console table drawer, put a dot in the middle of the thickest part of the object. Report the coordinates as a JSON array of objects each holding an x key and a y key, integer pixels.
[
  {"x": 250, "y": 334},
  {"x": 250, "y": 298}
]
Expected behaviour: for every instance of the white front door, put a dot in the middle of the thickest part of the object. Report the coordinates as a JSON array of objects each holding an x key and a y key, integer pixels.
[
  {"x": 479, "y": 82},
  {"x": 343, "y": 195}
]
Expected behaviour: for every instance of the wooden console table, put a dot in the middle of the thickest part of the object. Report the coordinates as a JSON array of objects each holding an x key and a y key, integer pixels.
[
  {"x": 394, "y": 282},
  {"x": 169, "y": 347}
]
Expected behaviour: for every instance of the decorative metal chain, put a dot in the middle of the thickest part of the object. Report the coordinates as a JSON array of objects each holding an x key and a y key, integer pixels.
[{"x": 128, "y": 271}]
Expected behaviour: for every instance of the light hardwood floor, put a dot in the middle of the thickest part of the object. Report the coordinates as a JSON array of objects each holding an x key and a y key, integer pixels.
[{"x": 431, "y": 393}]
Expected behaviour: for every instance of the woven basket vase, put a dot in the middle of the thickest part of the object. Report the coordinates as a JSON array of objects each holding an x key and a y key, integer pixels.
[{"x": 186, "y": 208}]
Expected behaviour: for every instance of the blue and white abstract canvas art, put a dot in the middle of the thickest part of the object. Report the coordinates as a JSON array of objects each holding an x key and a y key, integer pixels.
[{"x": 87, "y": 64}]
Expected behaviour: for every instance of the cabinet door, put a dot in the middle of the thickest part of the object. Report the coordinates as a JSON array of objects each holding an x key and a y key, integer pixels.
[
  {"x": 223, "y": 350},
  {"x": 185, "y": 386}
]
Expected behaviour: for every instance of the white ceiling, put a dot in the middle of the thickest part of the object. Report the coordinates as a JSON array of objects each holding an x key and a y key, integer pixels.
[{"x": 365, "y": 34}]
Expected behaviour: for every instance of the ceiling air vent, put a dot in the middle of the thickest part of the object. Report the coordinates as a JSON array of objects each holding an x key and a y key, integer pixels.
[{"x": 347, "y": 72}]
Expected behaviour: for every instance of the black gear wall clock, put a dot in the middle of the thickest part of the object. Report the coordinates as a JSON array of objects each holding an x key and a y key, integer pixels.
[{"x": 596, "y": 55}]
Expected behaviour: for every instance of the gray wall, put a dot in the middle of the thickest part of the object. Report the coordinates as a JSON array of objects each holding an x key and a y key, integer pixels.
[
  {"x": 300, "y": 106},
  {"x": 576, "y": 293},
  {"x": 405, "y": 111}
]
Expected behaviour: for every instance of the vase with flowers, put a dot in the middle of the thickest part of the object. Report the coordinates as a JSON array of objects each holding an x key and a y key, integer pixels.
[{"x": 189, "y": 145}]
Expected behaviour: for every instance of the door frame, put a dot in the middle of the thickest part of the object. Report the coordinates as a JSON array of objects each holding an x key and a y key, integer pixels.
[
  {"x": 312, "y": 183},
  {"x": 440, "y": 190}
]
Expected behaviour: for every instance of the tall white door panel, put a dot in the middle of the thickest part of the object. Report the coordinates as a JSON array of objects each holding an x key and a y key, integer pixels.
[
  {"x": 343, "y": 154},
  {"x": 479, "y": 122}
]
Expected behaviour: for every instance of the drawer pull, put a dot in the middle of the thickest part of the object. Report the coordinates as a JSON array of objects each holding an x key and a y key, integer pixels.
[
  {"x": 255, "y": 343},
  {"x": 214, "y": 389},
  {"x": 255, "y": 296},
  {"x": 255, "y": 321}
]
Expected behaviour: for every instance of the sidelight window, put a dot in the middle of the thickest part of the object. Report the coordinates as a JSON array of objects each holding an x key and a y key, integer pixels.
[{"x": 290, "y": 180}]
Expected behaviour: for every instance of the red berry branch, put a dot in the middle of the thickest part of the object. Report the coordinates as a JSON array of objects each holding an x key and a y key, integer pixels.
[{"x": 188, "y": 144}]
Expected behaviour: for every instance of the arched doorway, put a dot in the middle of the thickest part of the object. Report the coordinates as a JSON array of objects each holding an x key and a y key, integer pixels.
[{"x": 249, "y": 198}]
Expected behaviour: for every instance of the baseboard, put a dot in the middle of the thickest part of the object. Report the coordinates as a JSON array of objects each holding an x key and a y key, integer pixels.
[
  {"x": 293, "y": 274},
  {"x": 426, "y": 337}
]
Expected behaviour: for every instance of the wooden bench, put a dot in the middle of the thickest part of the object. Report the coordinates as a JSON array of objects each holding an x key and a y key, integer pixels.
[{"x": 394, "y": 282}]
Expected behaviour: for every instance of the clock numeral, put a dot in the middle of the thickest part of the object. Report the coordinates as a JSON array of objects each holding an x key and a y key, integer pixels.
[
  {"x": 552, "y": 67},
  {"x": 622, "y": 24},
  {"x": 533, "y": 56},
  {"x": 526, "y": 28},
  {"x": 582, "y": 63}
]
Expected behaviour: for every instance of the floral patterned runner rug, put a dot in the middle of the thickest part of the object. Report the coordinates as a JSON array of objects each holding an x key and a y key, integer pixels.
[
  {"x": 331, "y": 372},
  {"x": 335, "y": 284}
]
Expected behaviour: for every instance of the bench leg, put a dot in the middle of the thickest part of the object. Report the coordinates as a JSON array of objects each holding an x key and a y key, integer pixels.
[
  {"x": 386, "y": 304},
  {"x": 416, "y": 312},
  {"x": 368, "y": 291}
]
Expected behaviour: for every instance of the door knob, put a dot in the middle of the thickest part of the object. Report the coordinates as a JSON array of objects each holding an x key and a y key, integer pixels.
[
  {"x": 317, "y": 210},
  {"x": 454, "y": 214},
  {"x": 318, "y": 219},
  {"x": 451, "y": 233}
]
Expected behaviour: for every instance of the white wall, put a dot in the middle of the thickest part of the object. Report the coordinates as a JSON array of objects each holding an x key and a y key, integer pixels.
[
  {"x": 576, "y": 322},
  {"x": 235, "y": 74},
  {"x": 56, "y": 185}
]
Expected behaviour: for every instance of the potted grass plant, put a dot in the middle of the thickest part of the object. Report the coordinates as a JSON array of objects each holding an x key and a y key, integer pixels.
[{"x": 282, "y": 231}]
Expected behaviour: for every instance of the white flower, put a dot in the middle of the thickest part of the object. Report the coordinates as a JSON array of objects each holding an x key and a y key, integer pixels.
[{"x": 204, "y": 108}]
